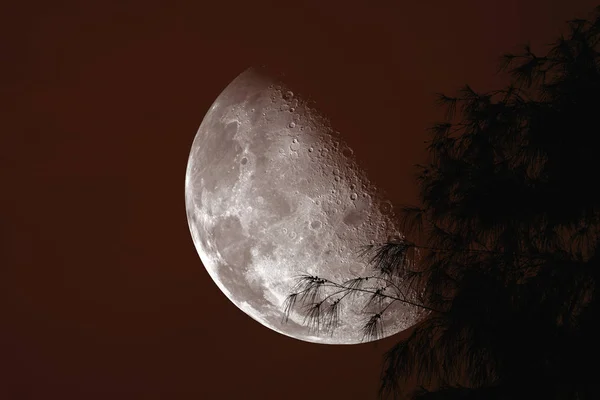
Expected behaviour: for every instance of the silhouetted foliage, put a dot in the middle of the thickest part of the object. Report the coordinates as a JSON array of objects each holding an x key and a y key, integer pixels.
[{"x": 504, "y": 248}]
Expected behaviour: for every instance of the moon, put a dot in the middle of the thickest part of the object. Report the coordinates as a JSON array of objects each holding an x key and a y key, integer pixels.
[{"x": 273, "y": 192}]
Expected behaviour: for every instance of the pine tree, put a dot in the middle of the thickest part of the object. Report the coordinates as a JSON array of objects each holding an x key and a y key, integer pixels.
[{"x": 504, "y": 246}]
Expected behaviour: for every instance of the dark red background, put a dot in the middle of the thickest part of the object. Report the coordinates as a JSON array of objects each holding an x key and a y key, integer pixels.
[{"x": 102, "y": 293}]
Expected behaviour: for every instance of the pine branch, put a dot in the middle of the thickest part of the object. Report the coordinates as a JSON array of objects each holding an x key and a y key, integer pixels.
[
  {"x": 373, "y": 329},
  {"x": 288, "y": 306},
  {"x": 392, "y": 258},
  {"x": 449, "y": 103},
  {"x": 355, "y": 284},
  {"x": 313, "y": 315},
  {"x": 332, "y": 315},
  {"x": 376, "y": 298},
  {"x": 309, "y": 287}
]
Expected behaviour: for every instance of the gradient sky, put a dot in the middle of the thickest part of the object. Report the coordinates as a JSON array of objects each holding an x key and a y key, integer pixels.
[{"x": 102, "y": 293}]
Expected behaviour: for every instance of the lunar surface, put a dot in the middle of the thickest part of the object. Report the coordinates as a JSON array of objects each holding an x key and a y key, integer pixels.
[{"x": 272, "y": 192}]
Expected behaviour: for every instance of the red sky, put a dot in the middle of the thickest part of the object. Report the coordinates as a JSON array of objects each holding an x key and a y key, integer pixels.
[{"x": 102, "y": 294}]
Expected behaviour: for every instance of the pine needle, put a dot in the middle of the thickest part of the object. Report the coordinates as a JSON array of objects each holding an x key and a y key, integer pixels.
[{"x": 373, "y": 329}]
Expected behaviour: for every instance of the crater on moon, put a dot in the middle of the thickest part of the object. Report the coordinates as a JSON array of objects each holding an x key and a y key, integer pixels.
[{"x": 272, "y": 192}]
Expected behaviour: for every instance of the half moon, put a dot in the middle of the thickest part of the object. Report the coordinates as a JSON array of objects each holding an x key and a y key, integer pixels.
[{"x": 272, "y": 192}]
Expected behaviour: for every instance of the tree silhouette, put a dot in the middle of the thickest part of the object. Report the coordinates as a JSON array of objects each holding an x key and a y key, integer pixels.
[{"x": 504, "y": 246}]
